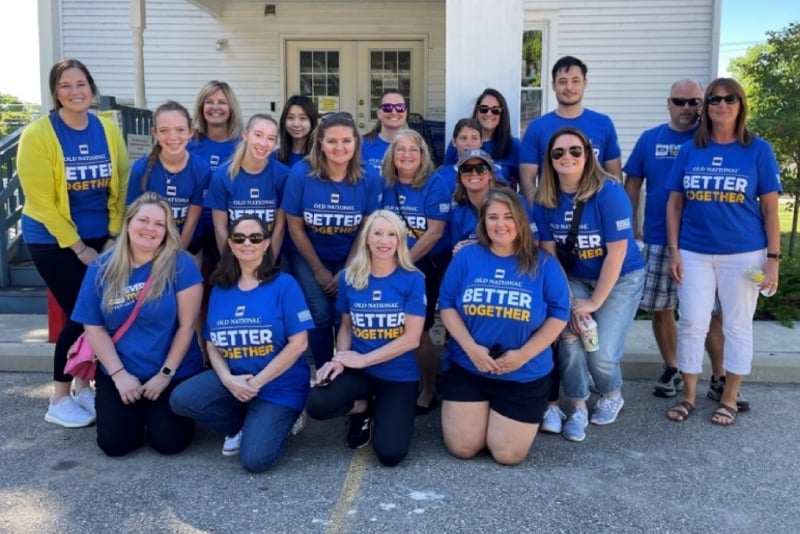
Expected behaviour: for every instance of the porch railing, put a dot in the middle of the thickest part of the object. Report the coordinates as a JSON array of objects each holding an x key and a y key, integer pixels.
[{"x": 131, "y": 121}]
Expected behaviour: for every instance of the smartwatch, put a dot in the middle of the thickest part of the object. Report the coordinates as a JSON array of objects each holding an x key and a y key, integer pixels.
[{"x": 167, "y": 371}]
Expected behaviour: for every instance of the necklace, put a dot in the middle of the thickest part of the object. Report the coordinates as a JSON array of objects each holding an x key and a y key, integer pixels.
[{"x": 569, "y": 197}]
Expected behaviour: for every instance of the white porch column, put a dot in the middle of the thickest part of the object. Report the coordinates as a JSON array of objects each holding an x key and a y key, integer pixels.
[
  {"x": 50, "y": 49},
  {"x": 138, "y": 24},
  {"x": 484, "y": 49}
]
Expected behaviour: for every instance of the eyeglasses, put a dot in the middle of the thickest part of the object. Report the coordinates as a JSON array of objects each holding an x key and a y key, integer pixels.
[
  {"x": 680, "y": 102},
  {"x": 574, "y": 151},
  {"x": 716, "y": 100},
  {"x": 239, "y": 239},
  {"x": 495, "y": 110},
  {"x": 469, "y": 168},
  {"x": 387, "y": 108},
  {"x": 414, "y": 151}
]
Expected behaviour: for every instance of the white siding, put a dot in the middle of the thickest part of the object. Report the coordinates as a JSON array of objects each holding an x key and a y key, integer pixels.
[
  {"x": 634, "y": 49},
  {"x": 180, "y": 54}
]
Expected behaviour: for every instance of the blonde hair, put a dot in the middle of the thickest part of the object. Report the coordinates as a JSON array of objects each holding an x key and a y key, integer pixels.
[
  {"x": 591, "y": 180},
  {"x": 241, "y": 149},
  {"x": 360, "y": 267},
  {"x": 425, "y": 164},
  {"x": 234, "y": 119},
  {"x": 117, "y": 263}
]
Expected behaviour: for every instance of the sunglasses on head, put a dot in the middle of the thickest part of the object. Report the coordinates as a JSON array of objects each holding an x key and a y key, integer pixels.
[
  {"x": 387, "y": 108},
  {"x": 574, "y": 151},
  {"x": 339, "y": 115},
  {"x": 239, "y": 239},
  {"x": 469, "y": 168},
  {"x": 680, "y": 102},
  {"x": 495, "y": 110},
  {"x": 716, "y": 100}
]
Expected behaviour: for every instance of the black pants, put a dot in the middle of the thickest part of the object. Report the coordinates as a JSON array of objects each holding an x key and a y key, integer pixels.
[
  {"x": 63, "y": 273},
  {"x": 123, "y": 428},
  {"x": 394, "y": 409}
]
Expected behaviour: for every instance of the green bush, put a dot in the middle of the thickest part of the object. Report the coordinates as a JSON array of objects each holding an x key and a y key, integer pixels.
[{"x": 784, "y": 306}]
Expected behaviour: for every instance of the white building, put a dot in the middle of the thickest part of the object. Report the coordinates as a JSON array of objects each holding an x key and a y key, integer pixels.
[{"x": 441, "y": 53}]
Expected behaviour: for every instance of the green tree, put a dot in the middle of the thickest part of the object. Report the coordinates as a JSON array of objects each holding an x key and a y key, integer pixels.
[
  {"x": 14, "y": 113},
  {"x": 770, "y": 73}
]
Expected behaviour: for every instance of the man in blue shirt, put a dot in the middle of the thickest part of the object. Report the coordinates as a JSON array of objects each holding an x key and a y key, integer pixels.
[
  {"x": 651, "y": 160},
  {"x": 569, "y": 83}
]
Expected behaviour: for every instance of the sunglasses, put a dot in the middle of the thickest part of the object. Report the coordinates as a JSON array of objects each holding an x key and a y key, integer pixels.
[
  {"x": 680, "y": 102},
  {"x": 469, "y": 168},
  {"x": 387, "y": 108},
  {"x": 495, "y": 110},
  {"x": 574, "y": 151},
  {"x": 339, "y": 115},
  {"x": 255, "y": 239},
  {"x": 716, "y": 100}
]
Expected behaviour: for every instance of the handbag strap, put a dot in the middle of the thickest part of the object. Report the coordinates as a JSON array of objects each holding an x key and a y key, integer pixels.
[
  {"x": 132, "y": 317},
  {"x": 572, "y": 235}
]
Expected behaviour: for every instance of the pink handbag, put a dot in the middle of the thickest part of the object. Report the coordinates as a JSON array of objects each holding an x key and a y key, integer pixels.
[{"x": 81, "y": 359}]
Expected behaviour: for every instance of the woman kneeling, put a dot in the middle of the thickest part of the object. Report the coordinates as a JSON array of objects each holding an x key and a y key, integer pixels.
[
  {"x": 255, "y": 334},
  {"x": 504, "y": 303}
]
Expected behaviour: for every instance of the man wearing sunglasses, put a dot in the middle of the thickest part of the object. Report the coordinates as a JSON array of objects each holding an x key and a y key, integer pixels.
[
  {"x": 651, "y": 161},
  {"x": 569, "y": 83}
]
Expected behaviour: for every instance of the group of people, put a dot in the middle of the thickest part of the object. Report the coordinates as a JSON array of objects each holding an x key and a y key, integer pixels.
[{"x": 325, "y": 242}]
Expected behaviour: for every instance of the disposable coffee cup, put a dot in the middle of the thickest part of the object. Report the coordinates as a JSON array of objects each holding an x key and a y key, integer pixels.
[{"x": 589, "y": 337}]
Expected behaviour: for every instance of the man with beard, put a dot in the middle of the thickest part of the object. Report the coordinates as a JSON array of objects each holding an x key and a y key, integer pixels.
[{"x": 569, "y": 83}]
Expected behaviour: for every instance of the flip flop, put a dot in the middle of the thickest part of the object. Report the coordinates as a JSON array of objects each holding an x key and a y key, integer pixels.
[
  {"x": 724, "y": 415},
  {"x": 680, "y": 412}
]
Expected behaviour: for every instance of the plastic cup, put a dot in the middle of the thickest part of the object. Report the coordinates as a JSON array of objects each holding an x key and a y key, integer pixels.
[{"x": 589, "y": 337}]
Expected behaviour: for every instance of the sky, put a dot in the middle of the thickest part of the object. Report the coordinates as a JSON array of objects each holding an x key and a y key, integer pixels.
[{"x": 744, "y": 23}]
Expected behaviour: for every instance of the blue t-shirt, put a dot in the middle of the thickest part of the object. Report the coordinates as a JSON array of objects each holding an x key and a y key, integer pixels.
[
  {"x": 250, "y": 328},
  {"x": 145, "y": 345},
  {"x": 463, "y": 222},
  {"x": 720, "y": 186},
  {"x": 417, "y": 206},
  {"x": 332, "y": 211},
  {"x": 293, "y": 158},
  {"x": 378, "y": 314},
  {"x": 606, "y": 218},
  {"x": 184, "y": 188},
  {"x": 372, "y": 152},
  {"x": 651, "y": 160},
  {"x": 214, "y": 153},
  {"x": 506, "y": 167},
  {"x": 499, "y": 305},
  {"x": 87, "y": 161},
  {"x": 596, "y": 126},
  {"x": 259, "y": 194}
]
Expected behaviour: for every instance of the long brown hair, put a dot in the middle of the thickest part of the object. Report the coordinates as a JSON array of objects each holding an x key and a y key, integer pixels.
[
  {"x": 703, "y": 134},
  {"x": 591, "y": 180},
  {"x": 58, "y": 69},
  {"x": 318, "y": 162},
  {"x": 525, "y": 250}
]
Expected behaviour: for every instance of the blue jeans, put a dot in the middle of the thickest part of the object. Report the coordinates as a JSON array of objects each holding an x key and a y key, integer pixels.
[
  {"x": 614, "y": 319},
  {"x": 265, "y": 425},
  {"x": 321, "y": 306}
]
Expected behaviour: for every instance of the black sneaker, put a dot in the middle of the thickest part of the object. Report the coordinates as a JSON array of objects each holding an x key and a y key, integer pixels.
[
  {"x": 717, "y": 386},
  {"x": 359, "y": 430},
  {"x": 669, "y": 384}
]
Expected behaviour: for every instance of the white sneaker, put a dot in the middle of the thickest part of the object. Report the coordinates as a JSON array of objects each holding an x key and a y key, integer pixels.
[
  {"x": 85, "y": 399},
  {"x": 553, "y": 419},
  {"x": 231, "y": 445},
  {"x": 299, "y": 425},
  {"x": 68, "y": 413}
]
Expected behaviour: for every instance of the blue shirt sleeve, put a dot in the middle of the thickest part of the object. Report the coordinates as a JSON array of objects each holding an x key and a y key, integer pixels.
[
  {"x": 292, "y": 202},
  {"x": 218, "y": 190}
]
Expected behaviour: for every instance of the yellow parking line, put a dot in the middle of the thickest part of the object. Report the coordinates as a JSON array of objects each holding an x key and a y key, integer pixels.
[{"x": 340, "y": 521}]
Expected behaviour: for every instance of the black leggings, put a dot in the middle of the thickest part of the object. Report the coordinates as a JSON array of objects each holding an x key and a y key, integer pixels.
[
  {"x": 555, "y": 376},
  {"x": 63, "y": 273},
  {"x": 122, "y": 428},
  {"x": 394, "y": 409}
]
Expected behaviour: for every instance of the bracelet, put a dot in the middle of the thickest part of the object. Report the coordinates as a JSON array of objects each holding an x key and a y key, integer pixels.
[
  {"x": 78, "y": 254},
  {"x": 116, "y": 372}
]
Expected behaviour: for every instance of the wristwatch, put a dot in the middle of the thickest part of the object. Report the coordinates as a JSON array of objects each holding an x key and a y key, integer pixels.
[
  {"x": 167, "y": 371},
  {"x": 774, "y": 256}
]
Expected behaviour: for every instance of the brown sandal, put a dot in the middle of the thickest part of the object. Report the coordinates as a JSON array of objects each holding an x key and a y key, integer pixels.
[
  {"x": 724, "y": 415},
  {"x": 680, "y": 412}
]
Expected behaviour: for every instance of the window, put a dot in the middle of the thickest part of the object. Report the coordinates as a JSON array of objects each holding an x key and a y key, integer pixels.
[{"x": 531, "y": 78}]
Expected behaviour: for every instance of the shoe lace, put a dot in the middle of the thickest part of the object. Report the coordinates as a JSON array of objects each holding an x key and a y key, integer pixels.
[{"x": 607, "y": 403}]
